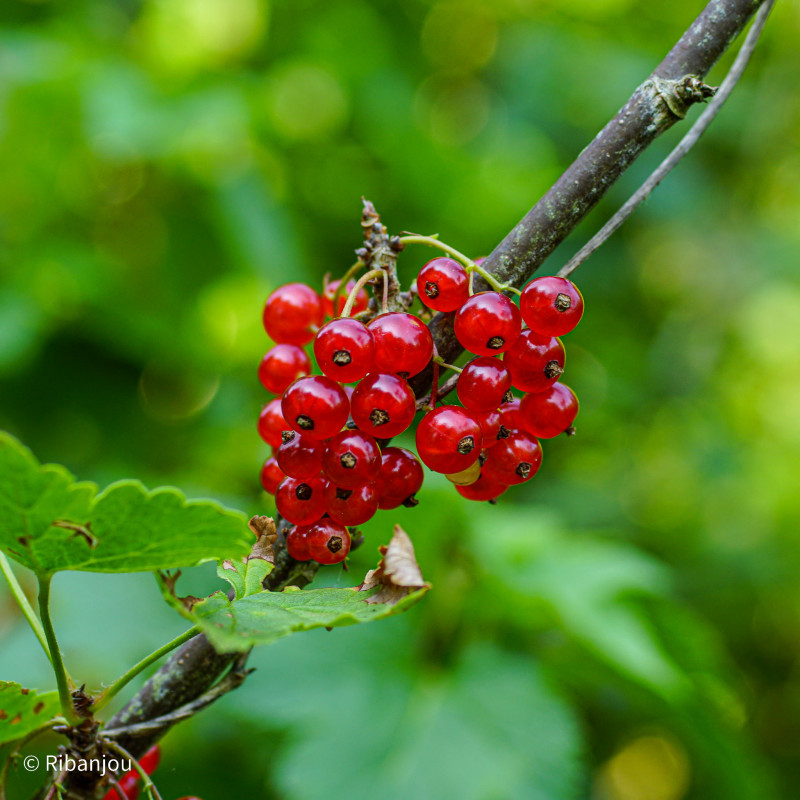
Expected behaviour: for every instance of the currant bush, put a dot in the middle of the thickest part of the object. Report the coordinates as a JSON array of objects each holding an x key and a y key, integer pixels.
[{"x": 332, "y": 467}]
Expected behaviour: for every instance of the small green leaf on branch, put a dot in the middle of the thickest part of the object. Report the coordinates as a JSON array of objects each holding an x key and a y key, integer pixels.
[{"x": 23, "y": 710}]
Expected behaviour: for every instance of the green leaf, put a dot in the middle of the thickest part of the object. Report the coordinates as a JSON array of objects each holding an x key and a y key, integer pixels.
[
  {"x": 48, "y": 522},
  {"x": 256, "y": 617},
  {"x": 23, "y": 710}
]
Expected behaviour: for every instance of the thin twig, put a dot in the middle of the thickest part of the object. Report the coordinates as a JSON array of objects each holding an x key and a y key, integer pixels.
[
  {"x": 149, "y": 786},
  {"x": 441, "y": 393},
  {"x": 683, "y": 147}
]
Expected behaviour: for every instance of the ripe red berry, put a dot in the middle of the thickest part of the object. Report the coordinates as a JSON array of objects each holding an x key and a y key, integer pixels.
[
  {"x": 315, "y": 406},
  {"x": 271, "y": 476},
  {"x": 292, "y": 314},
  {"x": 271, "y": 423},
  {"x": 487, "y": 324},
  {"x": 551, "y": 306},
  {"x": 361, "y": 303},
  {"x": 483, "y": 489},
  {"x": 351, "y": 506},
  {"x": 535, "y": 361},
  {"x": 383, "y": 405},
  {"x": 129, "y": 783},
  {"x": 513, "y": 460},
  {"x": 300, "y": 456},
  {"x": 151, "y": 759},
  {"x": 282, "y": 365},
  {"x": 443, "y": 285},
  {"x": 351, "y": 458},
  {"x": 510, "y": 419},
  {"x": 344, "y": 349},
  {"x": 296, "y": 543},
  {"x": 403, "y": 343},
  {"x": 400, "y": 478},
  {"x": 549, "y": 413},
  {"x": 328, "y": 542},
  {"x": 301, "y": 501},
  {"x": 490, "y": 426},
  {"x": 483, "y": 383},
  {"x": 449, "y": 439}
]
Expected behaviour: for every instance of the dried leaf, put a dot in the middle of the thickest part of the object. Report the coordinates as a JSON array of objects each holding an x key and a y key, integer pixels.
[{"x": 398, "y": 573}]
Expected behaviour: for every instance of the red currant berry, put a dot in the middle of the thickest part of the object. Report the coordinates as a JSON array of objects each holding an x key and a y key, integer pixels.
[
  {"x": 535, "y": 361},
  {"x": 513, "y": 460},
  {"x": 328, "y": 542},
  {"x": 551, "y": 306},
  {"x": 271, "y": 423},
  {"x": 351, "y": 458},
  {"x": 487, "y": 324},
  {"x": 383, "y": 405},
  {"x": 483, "y": 489},
  {"x": 301, "y": 501},
  {"x": 483, "y": 383},
  {"x": 449, "y": 439},
  {"x": 151, "y": 759},
  {"x": 549, "y": 413},
  {"x": 403, "y": 343},
  {"x": 344, "y": 349},
  {"x": 352, "y": 506},
  {"x": 296, "y": 543},
  {"x": 271, "y": 476},
  {"x": 400, "y": 478},
  {"x": 282, "y": 365},
  {"x": 292, "y": 314},
  {"x": 315, "y": 406},
  {"x": 300, "y": 456},
  {"x": 443, "y": 285},
  {"x": 129, "y": 783},
  {"x": 490, "y": 426},
  {"x": 361, "y": 303},
  {"x": 510, "y": 419}
]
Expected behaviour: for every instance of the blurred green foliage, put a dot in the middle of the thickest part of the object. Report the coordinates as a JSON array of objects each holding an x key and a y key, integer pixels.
[{"x": 626, "y": 627}]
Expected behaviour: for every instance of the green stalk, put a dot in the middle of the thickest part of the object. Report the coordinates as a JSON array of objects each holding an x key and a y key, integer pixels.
[
  {"x": 362, "y": 281},
  {"x": 120, "y": 683},
  {"x": 64, "y": 694},
  {"x": 23, "y": 603}
]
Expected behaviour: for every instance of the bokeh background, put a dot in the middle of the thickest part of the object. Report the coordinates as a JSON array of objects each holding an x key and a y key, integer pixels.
[{"x": 625, "y": 627}]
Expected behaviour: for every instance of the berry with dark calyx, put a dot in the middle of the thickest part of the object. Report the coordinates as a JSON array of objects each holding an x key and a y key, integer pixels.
[
  {"x": 443, "y": 284},
  {"x": 351, "y": 458},
  {"x": 483, "y": 383},
  {"x": 490, "y": 426},
  {"x": 301, "y": 501},
  {"x": 292, "y": 314},
  {"x": 551, "y": 306},
  {"x": 513, "y": 460},
  {"x": 328, "y": 542},
  {"x": 449, "y": 439},
  {"x": 296, "y": 543},
  {"x": 403, "y": 343},
  {"x": 315, "y": 406},
  {"x": 383, "y": 405},
  {"x": 549, "y": 413},
  {"x": 282, "y": 365},
  {"x": 399, "y": 479},
  {"x": 300, "y": 456},
  {"x": 487, "y": 324},
  {"x": 344, "y": 349},
  {"x": 535, "y": 361},
  {"x": 351, "y": 506},
  {"x": 510, "y": 419},
  {"x": 361, "y": 303},
  {"x": 483, "y": 489},
  {"x": 271, "y": 423},
  {"x": 271, "y": 475}
]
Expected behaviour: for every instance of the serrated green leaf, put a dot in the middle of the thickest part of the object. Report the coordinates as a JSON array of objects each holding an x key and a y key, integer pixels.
[
  {"x": 48, "y": 522},
  {"x": 23, "y": 710},
  {"x": 246, "y": 577}
]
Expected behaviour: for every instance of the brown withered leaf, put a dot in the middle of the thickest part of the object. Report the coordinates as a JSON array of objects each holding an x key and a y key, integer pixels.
[
  {"x": 168, "y": 582},
  {"x": 266, "y": 536},
  {"x": 398, "y": 574}
]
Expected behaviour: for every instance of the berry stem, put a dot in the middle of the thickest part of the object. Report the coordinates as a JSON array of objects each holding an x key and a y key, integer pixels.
[
  {"x": 362, "y": 281},
  {"x": 147, "y": 781},
  {"x": 23, "y": 603},
  {"x": 62, "y": 679},
  {"x": 442, "y": 363},
  {"x": 123, "y": 681},
  {"x": 469, "y": 264},
  {"x": 343, "y": 282}
]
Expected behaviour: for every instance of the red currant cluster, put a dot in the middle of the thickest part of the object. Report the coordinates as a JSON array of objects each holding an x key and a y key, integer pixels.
[{"x": 332, "y": 468}]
